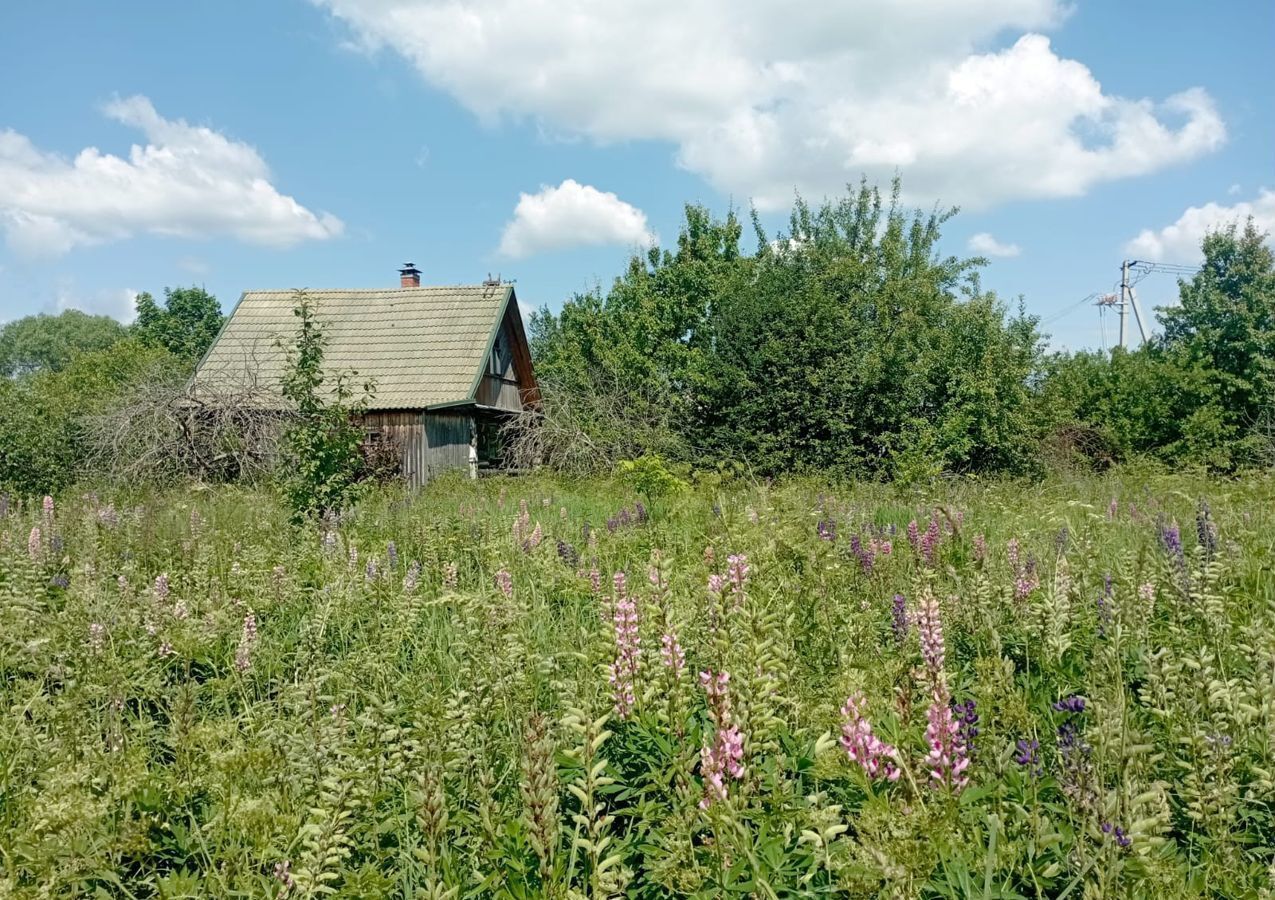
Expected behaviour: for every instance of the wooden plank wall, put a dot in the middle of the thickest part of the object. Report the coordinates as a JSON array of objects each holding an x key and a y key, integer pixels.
[
  {"x": 447, "y": 437},
  {"x": 405, "y": 429}
]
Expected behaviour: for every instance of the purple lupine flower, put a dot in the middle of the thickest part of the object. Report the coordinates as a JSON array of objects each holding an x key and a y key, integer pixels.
[
  {"x": 980, "y": 547},
  {"x": 867, "y": 556},
  {"x": 967, "y": 723},
  {"x": 371, "y": 571},
  {"x": 1123, "y": 841},
  {"x": 108, "y": 518},
  {"x": 1105, "y": 613},
  {"x": 1171, "y": 539},
  {"x": 1061, "y": 540},
  {"x": 1076, "y": 771},
  {"x": 505, "y": 582},
  {"x": 161, "y": 587},
  {"x": 1206, "y": 529},
  {"x": 1072, "y": 704},
  {"x": 1028, "y": 756},
  {"x": 874, "y": 755},
  {"x": 568, "y": 554},
  {"x": 622, "y": 674},
  {"x": 640, "y": 513},
  {"x": 899, "y": 621},
  {"x": 827, "y": 530},
  {"x": 60, "y": 580},
  {"x": 412, "y": 577},
  {"x": 391, "y": 556}
]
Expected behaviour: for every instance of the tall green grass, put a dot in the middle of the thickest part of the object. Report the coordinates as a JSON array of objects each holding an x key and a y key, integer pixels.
[{"x": 366, "y": 736}]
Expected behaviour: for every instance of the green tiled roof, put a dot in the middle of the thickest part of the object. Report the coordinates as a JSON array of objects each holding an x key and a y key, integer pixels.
[{"x": 422, "y": 346}]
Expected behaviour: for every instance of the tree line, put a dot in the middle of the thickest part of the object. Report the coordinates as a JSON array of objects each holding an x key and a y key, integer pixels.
[{"x": 851, "y": 345}]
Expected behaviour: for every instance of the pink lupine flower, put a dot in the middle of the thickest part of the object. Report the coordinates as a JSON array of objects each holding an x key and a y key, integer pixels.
[
  {"x": 722, "y": 756},
  {"x": 709, "y": 556},
  {"x": 716, "y": 584},
  {"x": 450, "y": 577},
  {"x": 354, "y": 557},
  {"x": 672, "y": 654},
  {"x": 929, "y": 626},
  {"x": 505, "y": 582},
  {"x": 930, "y": 541},
  {"x": 1112, "y": 509},
  {"x": 1011, "y": 551},
  {"x": 536, "y": 536},
  {"x": 914, "y": 535},
  {"x": 35, "y": 542},
  {"x": 737, "y": 570},
  {"x": 876, "y": 757},
  {"x": 161, "y": 587},
  {"x": 980, "y": 547},
  {"x": 623, "y": 672},
  {"x": 180, "y": 610},
  {"x": 885, "y": 547},
  {"x": 247, "y": 640},
  {"x": 121, "y": 584},
  {"x": 948, "y": 757},
  {"x": 165, "y": 650},
  {"x": 48, "y": 509},
  {"x": 595, "y": 581},
  {"x": 1024, "y": 584}
]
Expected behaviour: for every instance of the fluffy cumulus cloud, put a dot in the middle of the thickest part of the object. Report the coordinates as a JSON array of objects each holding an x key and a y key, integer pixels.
[
  {"x": 118, "y": 304},
  {"x": 1180, "y": 241},
  {"x": 985, "y": 245},
  {"x": 186, "y": 180},
  {"x": 571, "y": 215},
  {"x": 966, "y": 98}
]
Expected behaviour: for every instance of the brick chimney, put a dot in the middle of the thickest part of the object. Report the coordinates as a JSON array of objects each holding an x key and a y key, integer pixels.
[{"x": 409, "y": 276}]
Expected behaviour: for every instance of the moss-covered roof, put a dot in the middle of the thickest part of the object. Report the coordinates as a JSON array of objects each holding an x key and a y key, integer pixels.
[{"x": 422, "y": 346}]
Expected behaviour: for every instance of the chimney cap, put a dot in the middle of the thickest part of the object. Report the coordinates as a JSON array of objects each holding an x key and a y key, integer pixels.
[{"x": 409, "y": 269}]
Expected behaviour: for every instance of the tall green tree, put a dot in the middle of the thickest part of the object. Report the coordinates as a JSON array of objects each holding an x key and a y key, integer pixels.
[
  {"x": 186, "y": 325},
  {"x": 1225, "y": 323},
  {"x": 45, "y": 343}
]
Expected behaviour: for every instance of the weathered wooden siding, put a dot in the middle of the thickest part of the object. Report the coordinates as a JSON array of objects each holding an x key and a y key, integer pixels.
[
  {"x": 507, "y": 370},
  {"x": 447, "y": 438},
  {"x": 407, "y": 432}
]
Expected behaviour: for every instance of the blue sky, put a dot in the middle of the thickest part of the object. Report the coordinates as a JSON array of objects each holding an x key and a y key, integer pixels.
[{"x": 320, "y": 143}]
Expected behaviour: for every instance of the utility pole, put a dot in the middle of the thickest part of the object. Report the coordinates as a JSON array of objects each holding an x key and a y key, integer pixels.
[{"x": 1124, "y": 300}]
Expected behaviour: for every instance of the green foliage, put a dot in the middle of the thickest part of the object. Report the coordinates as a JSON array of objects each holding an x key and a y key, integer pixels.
[
  {"x": 847, "y": 345},
  {"x": 47, "y": 343},
  {"x": 186, "y": 325},
  {"x": 198, "y": 700},
  {"x": 323, "y": 457},
  {"x": 42, "y": 416},
  {"x": 650, "y": 477},
  {"x": 1198, "y": 394}
]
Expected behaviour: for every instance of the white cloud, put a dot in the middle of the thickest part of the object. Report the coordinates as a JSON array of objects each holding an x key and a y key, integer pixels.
[
  {"x": 187, "y": 180},
  {"x": 572, "y": 215},
  {"x": 985, "y": 245},
  {"x": 118, "y": 304},
  {"x": 1180, "y": 242},
  {"x": 761, "y": 101}
]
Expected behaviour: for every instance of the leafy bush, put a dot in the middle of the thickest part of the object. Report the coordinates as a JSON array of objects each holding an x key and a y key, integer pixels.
[{"x": 323, "y": 460}]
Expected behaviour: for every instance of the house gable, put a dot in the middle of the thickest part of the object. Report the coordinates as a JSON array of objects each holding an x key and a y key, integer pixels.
[{"x": 507, "y": 380}]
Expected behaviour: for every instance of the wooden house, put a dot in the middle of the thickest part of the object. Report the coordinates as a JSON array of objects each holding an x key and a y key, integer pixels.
[{"x": 448, "y": 364}]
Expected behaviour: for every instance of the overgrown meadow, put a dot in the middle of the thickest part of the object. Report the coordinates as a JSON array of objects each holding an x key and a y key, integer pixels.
[{"x": 529, "y": 688}]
